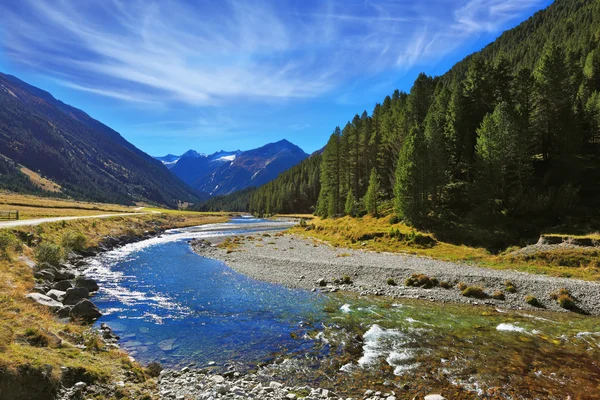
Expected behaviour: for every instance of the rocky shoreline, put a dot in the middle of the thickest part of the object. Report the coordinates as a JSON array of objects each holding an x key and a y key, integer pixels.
[{"x": 298, "y": 262}]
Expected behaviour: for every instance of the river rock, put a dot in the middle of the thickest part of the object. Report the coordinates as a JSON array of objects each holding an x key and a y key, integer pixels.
[
  {"x": 62, "y": 285},
  {"x": 75, "y": 295},
  {"x": 86, "y": 310},
  {"x": 57, "y": 295},
  {"x": 64, "y": 312},
  {"x": 87, "y": 283},
  {"x": 44, "y": 300},
  {"x": 434, "y": 397},
  {"x": 44, "y": 274}
]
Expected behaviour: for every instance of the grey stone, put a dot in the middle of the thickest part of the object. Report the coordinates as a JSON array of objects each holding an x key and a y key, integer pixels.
[
  {"x": 62, "y": 285},
  {"x": 57, "y": 295},
  {"x": 87, "y": 283},
  {"x": 434, "y": 397},
  {"x": 75, "y": 295},
  {"x": 86, "y": 310},
  {"x": 44, "y": 300}
]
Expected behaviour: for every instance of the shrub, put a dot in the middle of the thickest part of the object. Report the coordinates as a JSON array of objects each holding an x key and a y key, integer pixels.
[
  {"x": 346, "y": 280},
  {"x": 421, "y": 280},
  {"x": 394, "y": 219},
  {"x": 474, "y": 291},
  {"x": 36, "y": 338},
  {"x": 510, "y": 287},
  {"x": 153, "y": 369},
  {"x": 391, "y": 282},
  {"x": 302, "y": 223},
  {"x": 498, "y": 295},
  {"x": 532, "y": 301},
  {"x": 445, "y": 285},
  {"x": 48, "y": 252},
  {"x": 564, "y": 299},
  {"x": 74, "y": 240},
  {"x": 461, "y": 286},
  {"x": 8, "y": 241}
]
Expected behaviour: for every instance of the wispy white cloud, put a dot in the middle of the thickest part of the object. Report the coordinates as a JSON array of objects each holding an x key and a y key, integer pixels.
[{"x": 209, "y": 53}]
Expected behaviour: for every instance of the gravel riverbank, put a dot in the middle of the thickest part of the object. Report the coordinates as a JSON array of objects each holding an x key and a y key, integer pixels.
[{"x": 302, "y": 263}]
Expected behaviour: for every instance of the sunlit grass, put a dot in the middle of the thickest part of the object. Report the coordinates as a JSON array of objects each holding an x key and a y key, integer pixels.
[{"x": 378, "y": 234}]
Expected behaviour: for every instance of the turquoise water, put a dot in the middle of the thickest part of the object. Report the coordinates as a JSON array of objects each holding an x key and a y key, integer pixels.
[{"x": 171, "y": 305}]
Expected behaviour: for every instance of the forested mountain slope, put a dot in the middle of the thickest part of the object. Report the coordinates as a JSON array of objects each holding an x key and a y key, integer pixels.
[
  {"x": 510, "y": 136},
  {"x": 86, "y": 158}
]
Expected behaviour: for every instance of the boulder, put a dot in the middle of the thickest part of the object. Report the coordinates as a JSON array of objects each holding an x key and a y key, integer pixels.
[
  {"x": 62, "y": 285},
  {"x": 57, "y": 295},
  {"x": 85, "y": 310},
  {"x": 44, "y": 274},
  {"x": 75, "y": 295},
  {"x": 434, "y": 397},
  {"x": 61, "y": 274},
  {"x": 64, "y": 312},
  {"x": 41, "y": 288},
  {"x": 44, "y": 300},
  {"x": 87, "y": 283}
]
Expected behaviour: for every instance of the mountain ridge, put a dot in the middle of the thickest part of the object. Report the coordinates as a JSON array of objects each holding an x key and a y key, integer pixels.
[
  {"x": 88, "y": 159},
  {"x": 224, "y": 172}
]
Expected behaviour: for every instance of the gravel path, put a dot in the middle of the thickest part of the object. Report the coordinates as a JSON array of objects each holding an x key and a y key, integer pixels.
[{"x": 300, "y": 263}]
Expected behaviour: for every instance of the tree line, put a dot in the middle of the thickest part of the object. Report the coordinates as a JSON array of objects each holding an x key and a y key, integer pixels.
[{"x": 510, "y": 135}]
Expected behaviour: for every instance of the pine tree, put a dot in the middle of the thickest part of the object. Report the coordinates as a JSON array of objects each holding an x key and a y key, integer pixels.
[
  {"x": 350, "y": 207},
  {"x": 553, "y": 113},
  {"x": 372, "y": 195},
  {"x": 504, "y": 163},
  {"x": 410, "y": 189}
]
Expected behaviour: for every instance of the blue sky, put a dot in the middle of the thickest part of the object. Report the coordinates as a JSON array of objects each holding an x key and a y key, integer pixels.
[{"x": 211, "y": 75}]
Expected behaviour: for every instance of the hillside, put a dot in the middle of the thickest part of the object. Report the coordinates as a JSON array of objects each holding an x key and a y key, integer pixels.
[
  {"x": 225, "y": 172},
  {"x": 82, "y": 156},
  {"x": 507, "y": 140}
]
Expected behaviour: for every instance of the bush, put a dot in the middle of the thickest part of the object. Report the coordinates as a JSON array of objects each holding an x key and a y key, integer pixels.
[
  {"x": 532, "y": 301},
  {"x": 445, "y": 285},
  {"x": 421, "y": 280},
  {"x": 302, "y": 223},
  {"x": 394, "y": 219},
  {"x": 8, "y": 241},
  {"x": 48, "y": 252},
  {"x": 74, "y": 240},
  {"x": 510, "y": 287},
  {"x": 564, "y": 299},
  {"x": 461, "y": 286},
  {"x": 36, "y": 338},
  {"x": 391, "y": 282},
  {"x": 474, "y": 291},
  {"x": 346, "y": 280},
  {"x": 498, "y": 295}
]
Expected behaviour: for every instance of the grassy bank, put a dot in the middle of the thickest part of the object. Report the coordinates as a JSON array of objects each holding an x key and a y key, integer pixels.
[
  {"x": 379, "y": 234},
  {"x": 33, "y": 339}
]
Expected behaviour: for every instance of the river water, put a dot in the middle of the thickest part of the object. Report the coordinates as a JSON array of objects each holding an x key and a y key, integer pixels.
[{"x": 173, "y": 306}]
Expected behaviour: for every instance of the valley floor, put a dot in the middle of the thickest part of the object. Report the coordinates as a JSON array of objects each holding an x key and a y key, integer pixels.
[{"x": 305, "y": 263}]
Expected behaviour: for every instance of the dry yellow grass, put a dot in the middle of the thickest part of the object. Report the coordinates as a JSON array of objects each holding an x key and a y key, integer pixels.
[
  {"x": 377, "y": 234},
  {"x": 41, "y": 182},
  {"x": 31, "y": 207}
]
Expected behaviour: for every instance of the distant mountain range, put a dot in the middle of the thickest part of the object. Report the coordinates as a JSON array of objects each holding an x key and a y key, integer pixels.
[
  {"x": 54, "y": 145},
  {"x": 225, "y": 172}
]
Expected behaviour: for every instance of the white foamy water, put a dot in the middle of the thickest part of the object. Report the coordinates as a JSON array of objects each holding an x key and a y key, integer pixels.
[
  {"x": 511, "y": 328},
  {"x": 345, "y": 308},
  {"x": 389, "y": 344}
]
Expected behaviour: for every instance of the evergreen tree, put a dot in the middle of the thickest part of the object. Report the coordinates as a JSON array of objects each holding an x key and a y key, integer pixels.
[
  {"x": 350, "y": 207},
  {"x": 410, "y": 190},
  {"x": 372, "y": 195},
  {"x": 553, "y": 113}
]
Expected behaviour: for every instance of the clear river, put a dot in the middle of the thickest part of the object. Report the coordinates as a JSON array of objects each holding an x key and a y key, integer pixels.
[{"x": 173, "y": 306}]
